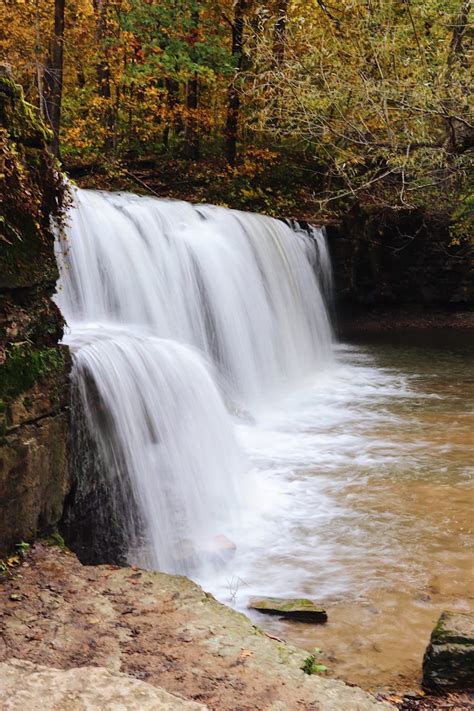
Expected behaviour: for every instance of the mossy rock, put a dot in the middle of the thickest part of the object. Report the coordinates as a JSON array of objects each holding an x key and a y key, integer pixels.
[
  {"x": 34, "y": 369},
  {"x": 448, "y": 663},
  {"x": 32, "y": 191},
  {"x": 33, "y": 383},
  {"x": 19, "y": 117},
  {"x": 24, "y": 365},
  {"x": 299, "y": 609}
]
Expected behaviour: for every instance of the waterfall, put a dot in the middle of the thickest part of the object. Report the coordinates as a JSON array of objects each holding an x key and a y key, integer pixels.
[{"x": 182, "y": 319}]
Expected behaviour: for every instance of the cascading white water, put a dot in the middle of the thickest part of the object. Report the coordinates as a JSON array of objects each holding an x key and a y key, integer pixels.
[{"x": 180, "y": 315}]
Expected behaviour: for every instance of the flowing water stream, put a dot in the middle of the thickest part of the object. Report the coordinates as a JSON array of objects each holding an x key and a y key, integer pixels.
[
  {"x": 205, "y": 362},
  {"x": 368, "y": 477}
]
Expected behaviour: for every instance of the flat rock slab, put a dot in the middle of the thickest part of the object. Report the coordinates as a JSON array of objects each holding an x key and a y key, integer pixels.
[
  {"x": 449, "y": 659},
  {"x": 161, "y": 629},
  {"x": 29, "y": 687},
  {"x": 294, "y": 609}
]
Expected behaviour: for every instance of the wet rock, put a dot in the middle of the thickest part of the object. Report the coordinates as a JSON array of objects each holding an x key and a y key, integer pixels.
[
  {"x": 295, "y": 609},
  {"x": 398, "y": 258},
  {"x": 27, "y": 686},
  {"x": 449, "y": 659}
]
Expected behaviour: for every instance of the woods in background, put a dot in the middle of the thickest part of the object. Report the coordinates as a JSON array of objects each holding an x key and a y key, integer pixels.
[{"x": 327, "y": 102}]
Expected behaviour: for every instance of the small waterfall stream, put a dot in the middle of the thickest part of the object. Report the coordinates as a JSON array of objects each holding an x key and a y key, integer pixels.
[{"x": 183, "y": 321}]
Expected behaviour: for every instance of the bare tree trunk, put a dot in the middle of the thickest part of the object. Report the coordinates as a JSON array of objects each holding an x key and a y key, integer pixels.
[
  {"x": 172, "y": 98},
  {"x": 192, "y": 97},
  {"x": 233, "y": 100},
  {"x": 459, "y": 132},
  {"x": 279, "y": 37},
  {"x": 39, "y": 66},
  {"x": 53, "y": 82},
  {"x": 192, "y": 137},
  {"x": 130, "y": 115},
  {"x": 460, "y": 27},
  {"x": 103, "y": 68},
  {"x": 280, "y": 32}
]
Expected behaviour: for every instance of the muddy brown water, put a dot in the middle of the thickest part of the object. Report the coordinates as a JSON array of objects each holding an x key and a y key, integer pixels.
[{"x": 391, "y": 544}]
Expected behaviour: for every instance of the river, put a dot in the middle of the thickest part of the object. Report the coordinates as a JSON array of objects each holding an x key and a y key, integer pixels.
[{"x": 363, "y": 501}]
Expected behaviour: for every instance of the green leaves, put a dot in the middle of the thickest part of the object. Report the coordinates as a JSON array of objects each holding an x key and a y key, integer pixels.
[
  {"x": 176, "y": 40},
  {"x": 311, "y": 665}
]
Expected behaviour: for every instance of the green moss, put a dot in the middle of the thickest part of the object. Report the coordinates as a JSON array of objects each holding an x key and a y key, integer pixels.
[
  {"x": 24, "y": 365},
  {"x": 439, "y": 631},
  {"x": 443, "y": 634},
  {"x": 282, "y": 605},
  {"x": 22, "y": 118},
  {"x": 55, "y": 539}
]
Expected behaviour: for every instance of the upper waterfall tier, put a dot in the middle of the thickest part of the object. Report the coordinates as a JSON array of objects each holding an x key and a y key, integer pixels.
[
  {"x": 244, "y": 289},
  {"x": 180, "y": 317}
]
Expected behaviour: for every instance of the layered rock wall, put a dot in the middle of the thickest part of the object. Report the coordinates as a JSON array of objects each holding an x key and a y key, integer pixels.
[
  {"x": 399, "y": 259},
  {"x": 34, "y": 370}
]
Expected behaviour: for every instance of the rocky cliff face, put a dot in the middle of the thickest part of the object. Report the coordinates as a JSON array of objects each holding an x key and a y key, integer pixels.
[
  {"x": 33, "y": 368},
  {"x": 399, "y": 259}
]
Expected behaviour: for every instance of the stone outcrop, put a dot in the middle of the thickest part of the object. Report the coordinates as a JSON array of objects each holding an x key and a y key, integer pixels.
[
  {"x": 449, "y": 659},
  {"x": 33, "y": 368},
  {"x": 293, "y": 609},
  {"x": 398, "y": 259},
  {"x": 26, "y": 686},
  {"x": 158, "y": 628}
]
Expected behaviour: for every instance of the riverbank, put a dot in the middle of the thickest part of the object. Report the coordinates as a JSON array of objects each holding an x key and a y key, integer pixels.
[
  {"x": 383, "y": 320},
  {"x": 162, "y": 629},
  {"x": 129, "y": 624}
]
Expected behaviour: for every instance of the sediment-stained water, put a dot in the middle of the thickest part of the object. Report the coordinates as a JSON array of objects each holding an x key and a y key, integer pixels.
[{"x": 364, "y": 479}]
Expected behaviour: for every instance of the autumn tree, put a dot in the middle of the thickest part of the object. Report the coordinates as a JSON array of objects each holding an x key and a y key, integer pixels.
[
  {"x": 369, "y": 90},
  {"x": 358, "y": 100}
]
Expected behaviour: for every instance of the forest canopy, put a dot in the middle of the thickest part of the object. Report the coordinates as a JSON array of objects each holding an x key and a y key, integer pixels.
[{"x": 278, "y": 101}]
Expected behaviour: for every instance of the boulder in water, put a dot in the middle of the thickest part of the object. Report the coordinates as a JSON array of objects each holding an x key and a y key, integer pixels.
[
  {"x": 299, "y": 609},
  {"x": 449, "y": 658}
]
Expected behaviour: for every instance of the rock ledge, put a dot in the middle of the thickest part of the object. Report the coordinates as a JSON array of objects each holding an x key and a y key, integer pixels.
[
  {"x": 26, "y": 686},
  {"x": 301, "y": 609},
  {"x": 158, "y": 628}
]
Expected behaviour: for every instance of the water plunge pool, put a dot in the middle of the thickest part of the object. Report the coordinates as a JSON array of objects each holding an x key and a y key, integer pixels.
[{"x": 361, "y": 499}]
